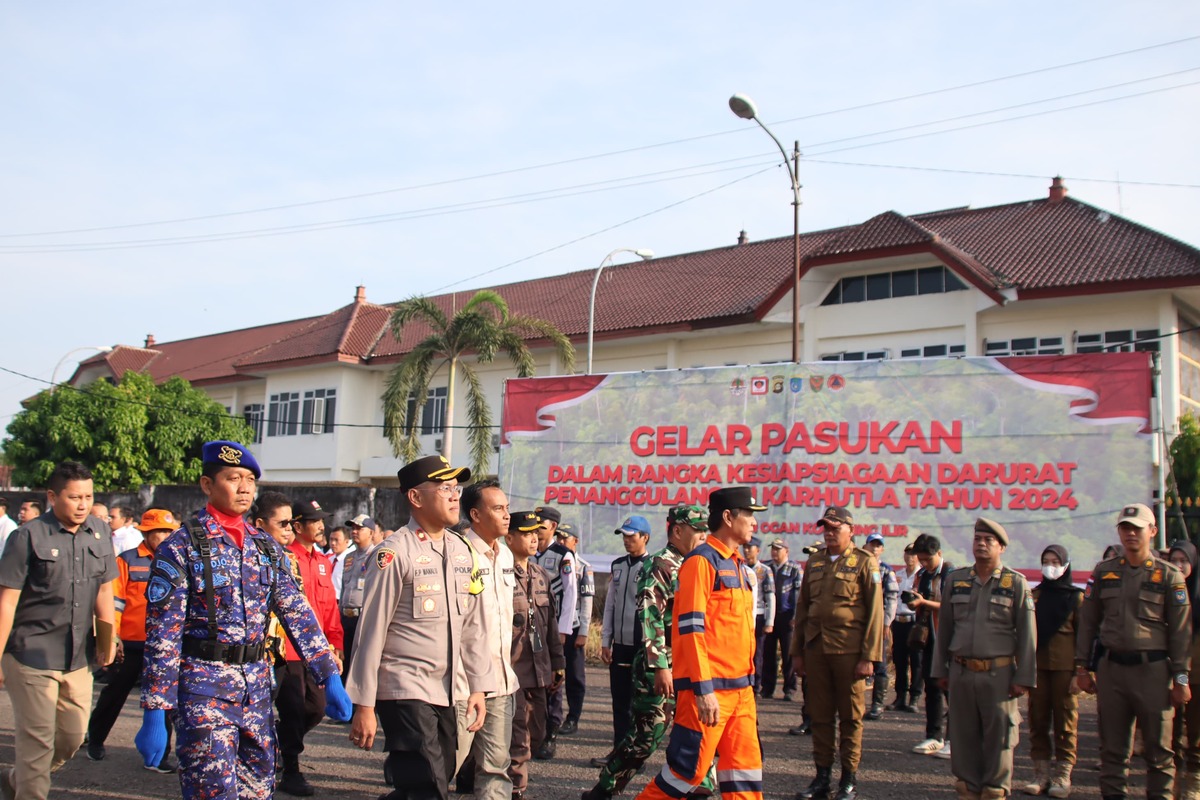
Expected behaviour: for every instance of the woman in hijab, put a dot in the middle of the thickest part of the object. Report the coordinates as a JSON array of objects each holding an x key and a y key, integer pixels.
[
  {"x": 1186, "y": 739},
  {"x": 1052, "y": 706}
]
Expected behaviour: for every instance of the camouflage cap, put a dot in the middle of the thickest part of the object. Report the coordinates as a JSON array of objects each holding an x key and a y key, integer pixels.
[{"x": 694, "y": 516}]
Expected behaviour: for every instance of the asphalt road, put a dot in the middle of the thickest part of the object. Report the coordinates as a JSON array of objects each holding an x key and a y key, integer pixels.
[{"x": 889, "y": 770}]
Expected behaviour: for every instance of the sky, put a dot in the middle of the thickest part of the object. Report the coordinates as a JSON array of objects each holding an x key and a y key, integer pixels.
[{"x": 184, "y": 168}]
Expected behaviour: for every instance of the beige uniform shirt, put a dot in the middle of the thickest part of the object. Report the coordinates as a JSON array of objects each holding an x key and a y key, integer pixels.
[
  {"x": 499, "y": 579},
  {"x": 1136, "y": 607},
  {"x": 419, "y": 622},
  {"x": 987, "y": 617},
  {"x": 840, "y": 610}
]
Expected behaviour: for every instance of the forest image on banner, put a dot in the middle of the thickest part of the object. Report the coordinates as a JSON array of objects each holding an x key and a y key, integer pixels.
[{"x": 1050, "y": 446}]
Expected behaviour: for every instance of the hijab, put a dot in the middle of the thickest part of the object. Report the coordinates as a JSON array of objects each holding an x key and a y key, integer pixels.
[
  {"x": 1057, "y": 599},
  {"x": 1193, "y": 580}
]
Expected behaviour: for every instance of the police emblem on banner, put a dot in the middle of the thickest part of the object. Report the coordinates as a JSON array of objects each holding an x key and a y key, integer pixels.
[{"x": 777, "y": 384}]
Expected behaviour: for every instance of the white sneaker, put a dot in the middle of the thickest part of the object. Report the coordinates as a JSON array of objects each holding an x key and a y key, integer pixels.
[
  {"x": 944, "y": 752},
  {"x": 929, "y": 747}
]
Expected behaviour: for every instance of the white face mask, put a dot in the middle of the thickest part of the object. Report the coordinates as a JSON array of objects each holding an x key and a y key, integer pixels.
[{"x": 1053, "y": 571}]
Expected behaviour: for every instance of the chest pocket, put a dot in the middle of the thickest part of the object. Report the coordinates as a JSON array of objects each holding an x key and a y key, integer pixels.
[
  {"x": 845, "y": 586},
  {"x": 960, "y": 604},
  {"x": 139, "y": 574},
  {"x": 93, "y": 557},
  {"x": 1000, "y": 608},
  {"x": 46, "y": 567},
  {"x": 1151, "y": 605}
]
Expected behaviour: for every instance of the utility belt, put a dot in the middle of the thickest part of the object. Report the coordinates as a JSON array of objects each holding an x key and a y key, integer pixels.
[
  {"x": 233, "y": 654},
  {"x": 984, "y": 664},
  {"x": 1134, "y": 657},
  {"x": 351, "y": 612},
  {"x": 905, "y": 618}
]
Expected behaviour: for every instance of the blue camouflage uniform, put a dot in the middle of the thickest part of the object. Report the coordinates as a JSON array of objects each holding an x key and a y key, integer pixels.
[{"x": 225, "y": 727}]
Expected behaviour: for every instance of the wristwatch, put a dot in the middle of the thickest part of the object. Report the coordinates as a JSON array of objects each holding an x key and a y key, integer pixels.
[{"x": 1181, "y": 679}]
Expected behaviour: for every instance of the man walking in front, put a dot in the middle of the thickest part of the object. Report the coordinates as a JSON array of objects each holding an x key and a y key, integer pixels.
[
  {"x": 713, "y": 649},
  {"x": 986, "y": 658},
  {"x": 55, "y": 575},
  {"x": 838, "y": 639},
  {"x": 1137, "y": 605}
]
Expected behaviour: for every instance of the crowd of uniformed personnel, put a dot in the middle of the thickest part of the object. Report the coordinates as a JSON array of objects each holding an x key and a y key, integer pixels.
[{"x": 461, "y": 638}]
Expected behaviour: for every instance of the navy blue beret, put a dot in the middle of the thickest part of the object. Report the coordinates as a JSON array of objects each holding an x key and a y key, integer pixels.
[{"x": 229, "y": 454}]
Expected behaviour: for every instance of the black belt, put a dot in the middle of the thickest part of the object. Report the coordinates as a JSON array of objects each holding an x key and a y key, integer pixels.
[
  {"x": 1135, "y": 657},
  {"x": 234, "y": 654}
]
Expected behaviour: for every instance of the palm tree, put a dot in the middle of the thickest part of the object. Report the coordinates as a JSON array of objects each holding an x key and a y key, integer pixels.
[{"x": 483, "y": 327}]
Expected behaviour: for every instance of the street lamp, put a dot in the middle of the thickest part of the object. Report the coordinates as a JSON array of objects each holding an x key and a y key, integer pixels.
[
  {"x": 103, "y": 348},
  {"x": 744, "y": 107},
  {"x": 643, "y": 254}
]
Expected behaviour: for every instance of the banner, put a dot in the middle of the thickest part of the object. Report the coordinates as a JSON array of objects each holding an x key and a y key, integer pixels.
[{"x": 1049, "y": 446}]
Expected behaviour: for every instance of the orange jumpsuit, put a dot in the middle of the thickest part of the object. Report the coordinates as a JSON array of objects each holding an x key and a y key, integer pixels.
[{"x": 714, "y": 605}]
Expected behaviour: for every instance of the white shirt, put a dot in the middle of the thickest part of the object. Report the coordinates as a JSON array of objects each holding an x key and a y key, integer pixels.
[
  {"x": 339, "y": 561},
  {"x": 907, "y": 583},
  {"x": 126, "y": 538},
  {"x": 499, "y": 580},
  {"x": 7, "y": 526}
]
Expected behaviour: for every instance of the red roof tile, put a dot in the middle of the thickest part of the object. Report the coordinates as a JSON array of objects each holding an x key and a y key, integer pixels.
[{"x": 1035, "y": 246}]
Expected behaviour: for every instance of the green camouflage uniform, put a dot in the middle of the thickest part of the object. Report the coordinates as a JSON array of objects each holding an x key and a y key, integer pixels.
[{"x": 651, "y": 711}]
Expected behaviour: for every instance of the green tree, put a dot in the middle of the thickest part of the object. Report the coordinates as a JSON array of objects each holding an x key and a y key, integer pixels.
[
  {"x": 483, "y": 327},
  {"x": 1183, "y": 485},
  {"x": 129, "y": 434}
]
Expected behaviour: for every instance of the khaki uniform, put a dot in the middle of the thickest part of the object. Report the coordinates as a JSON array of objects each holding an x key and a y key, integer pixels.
[
  {"x": 419, "y": 622},
  {"x": 986, "y": 643},
  {"x": 537, "y": 653},
  {"x": 1141, "y": 615},
  {"x": 839, "y": 622},
  {"x": 1052, "y": 706}
]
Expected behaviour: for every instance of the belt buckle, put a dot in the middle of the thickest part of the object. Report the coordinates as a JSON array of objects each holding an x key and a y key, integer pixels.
[{"x": 978, "y": 664}]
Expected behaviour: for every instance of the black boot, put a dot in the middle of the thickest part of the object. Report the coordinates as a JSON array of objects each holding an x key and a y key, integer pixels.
[
  {"x": 548, "y": 748},
  {"x": 879, "y": 695},
  {"x": 568, "y": 727},
  {"x": 819, "y": 788},
  {"x": 875, "y": 713},
  {"x": 846, "y": 787},
  {"x": 293, "y": 781},
  {"x": 595, "y": 793}
]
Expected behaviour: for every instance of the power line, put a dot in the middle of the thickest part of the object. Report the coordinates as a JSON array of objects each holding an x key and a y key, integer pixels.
[
  {"x": 994, "y": 174},
  {"x": 608, "y": 154}
]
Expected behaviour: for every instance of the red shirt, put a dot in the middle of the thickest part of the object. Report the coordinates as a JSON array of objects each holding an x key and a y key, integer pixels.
[{"x": 316, "y": 570}]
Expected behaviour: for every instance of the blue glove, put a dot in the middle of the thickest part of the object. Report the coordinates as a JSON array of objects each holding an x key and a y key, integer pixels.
[
  {"x": 337, "y": 702},
  {"x": 151, "y": 740}
]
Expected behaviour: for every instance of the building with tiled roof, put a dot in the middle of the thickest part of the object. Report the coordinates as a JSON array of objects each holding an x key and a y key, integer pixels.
[{"x": 1046, "y": 276}]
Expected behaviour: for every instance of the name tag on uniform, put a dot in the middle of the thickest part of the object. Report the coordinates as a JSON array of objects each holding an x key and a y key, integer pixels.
[
  {"x": 360, "y": 584},
  {"x": 321, "y": 568}
]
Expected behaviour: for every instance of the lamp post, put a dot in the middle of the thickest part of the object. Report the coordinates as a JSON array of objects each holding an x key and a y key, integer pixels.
[
  {"x": 643, "y": 254},
  {"x": 103, "y": 348},
  {"x": 744, "y": 107}
]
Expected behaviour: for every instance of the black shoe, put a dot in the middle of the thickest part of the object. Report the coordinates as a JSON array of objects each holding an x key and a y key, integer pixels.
[
  {"x": 819, "y": 788},
  {"x": 846, "y": 788},
  {"x": 875, "y": 713},
  {"x": 96, "y": 752},
  {"x": 595, "y": 793},
  {"x": 164, "y": 767},
  {"x": 295, "y": 784},
  {"x": 789, "y": 696},
  {"x": 600, "y": 761},
  {"x": 569, "y": 727},
  {"x": 803, "y": 729},
  {"x": 518, "y": 795},
  {"x": 546, "y": 751},
  {"x": 910, "y": 708}
]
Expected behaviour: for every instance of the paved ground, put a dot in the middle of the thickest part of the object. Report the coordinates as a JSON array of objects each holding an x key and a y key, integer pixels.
[{"x": 339, "y": 771}]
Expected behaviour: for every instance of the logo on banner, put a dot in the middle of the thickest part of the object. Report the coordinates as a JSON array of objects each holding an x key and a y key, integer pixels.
[
  {"x": 836, "y": 383},
  {"x": 797, "y": 385},
  {"x": 816, "y": 382},
  {"x": 737, "y": 387},
  {"x": 777, "y": 384},
  {"x": 758, "y": 384}
]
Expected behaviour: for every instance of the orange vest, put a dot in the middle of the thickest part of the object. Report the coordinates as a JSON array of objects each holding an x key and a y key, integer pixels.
[{"x": 129, "y": 592}]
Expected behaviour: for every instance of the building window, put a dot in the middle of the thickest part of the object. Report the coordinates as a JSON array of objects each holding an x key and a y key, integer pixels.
[
  {"x": 433, "y": 415},
  {"x": 886, "y": 285},
  {"x": 283, "y": 418},
  {"x": 934, "y": 351},
  {"x": 254, "y": 414},
  {"x": 857, "y": 355},
  {"x": 319, "y": 408},
  {"x": 1025, "y": 346},
  {"x": 1117, "y": 342}
]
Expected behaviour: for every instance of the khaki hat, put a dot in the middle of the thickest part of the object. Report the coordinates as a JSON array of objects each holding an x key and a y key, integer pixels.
[
  {"x": 779, "y": 544},
  {"x": 1136, "y": 515},
  {"x": 985, "y": 525}
]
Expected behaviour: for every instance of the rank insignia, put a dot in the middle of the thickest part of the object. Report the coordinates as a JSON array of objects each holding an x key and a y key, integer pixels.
[
  {"x": 461, "y": 559},
  {"x": 384, "y": 557},
  {"x": 1110, "y": 576},
  {"x": 421, "y": 536},
  {"x": 230, "y": 455},
  {"x": 962, "y": 584},
  {"x": 424, "y": 559},
  {"x": 1157, "y": 577},
  {"x": 1006, "y": 581}
]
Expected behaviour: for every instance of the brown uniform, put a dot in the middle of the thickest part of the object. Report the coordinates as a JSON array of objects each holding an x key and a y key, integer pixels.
[
  {"x": 839, "y": 622},
  {"x": 536, "y": 655},
  {"x": 986, "y": 643},
  {"x": 1052, "y": 706},
  {"x": 1141, "y": 615}
]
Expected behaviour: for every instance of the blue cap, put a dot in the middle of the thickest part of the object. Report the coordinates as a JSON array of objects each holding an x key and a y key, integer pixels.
[
  {"x": 634, "y": 524},
  {"x": 875, "y": 537},
  {"x": 229, "y": 454},
  {"x": 754, "y": 542}
]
